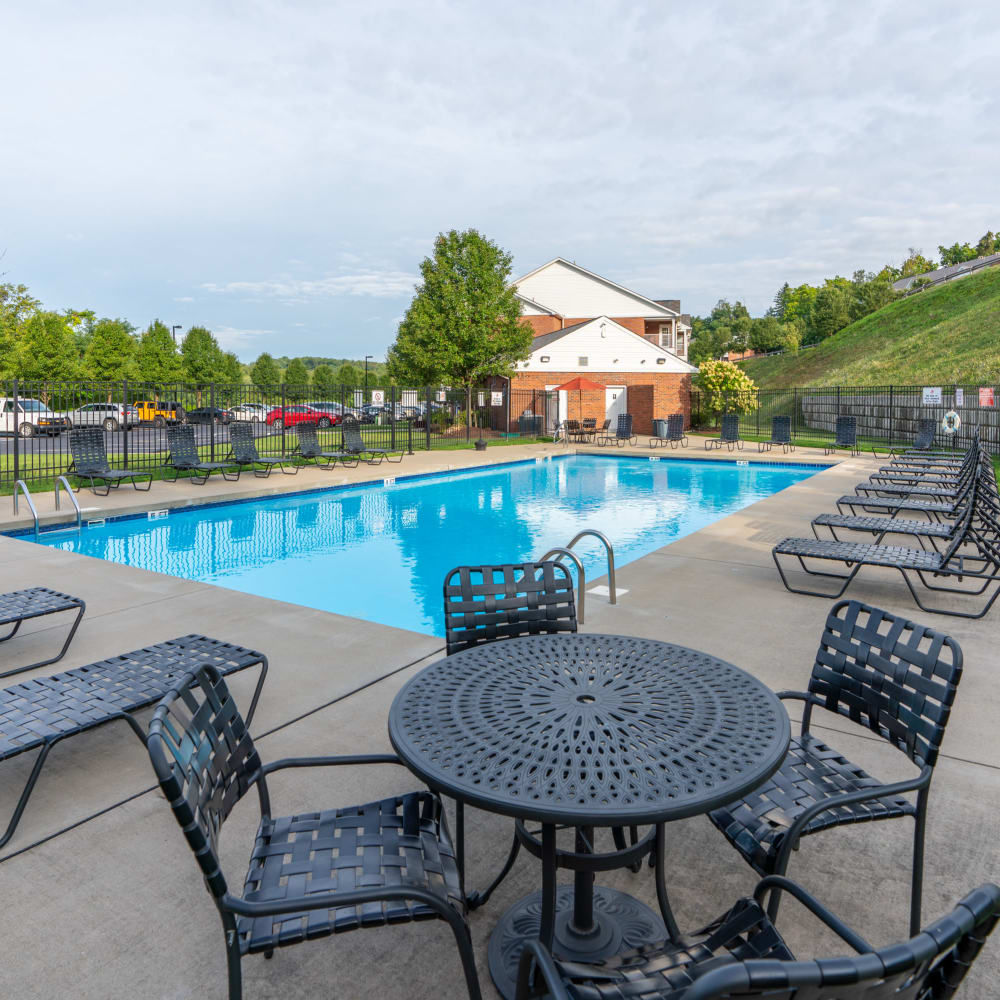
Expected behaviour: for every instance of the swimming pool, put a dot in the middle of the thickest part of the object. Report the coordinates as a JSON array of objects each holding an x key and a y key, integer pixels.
[{"x": 381, "y": 552}]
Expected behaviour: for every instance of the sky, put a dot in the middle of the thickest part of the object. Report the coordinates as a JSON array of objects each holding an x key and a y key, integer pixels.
[{"x": 277, "y": 171}]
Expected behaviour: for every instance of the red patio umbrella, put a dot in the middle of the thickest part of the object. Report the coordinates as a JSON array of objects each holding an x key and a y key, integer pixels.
[{"x": 580, "y": 384}]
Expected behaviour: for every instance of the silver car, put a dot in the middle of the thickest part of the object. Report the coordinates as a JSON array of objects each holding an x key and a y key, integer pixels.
[
  {"x": 248, "y": 411},
  {"x": 110, "y": 416}
]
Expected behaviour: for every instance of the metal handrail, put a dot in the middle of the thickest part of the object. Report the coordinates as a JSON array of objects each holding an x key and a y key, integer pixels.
[
  {"x": 62, "y": 481},
  {"x": 23, "y": 487},
  {"x": 602, "y": 538},
  {"x": 560, "y": 551}
]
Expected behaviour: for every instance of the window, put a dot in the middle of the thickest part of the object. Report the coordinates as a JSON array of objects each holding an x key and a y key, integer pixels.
[
  {"x": 666, "y": 336},
  {"x": 582, "y": 362},
  {"x": 680, "y": 342}
]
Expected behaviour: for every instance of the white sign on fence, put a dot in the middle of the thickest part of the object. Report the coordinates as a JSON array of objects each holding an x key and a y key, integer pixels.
[
  {"x": 496, "y": 399},
  {"x": 378, "y": 397},
  {"x": 959, "y": 397},
  {"x": 441, "y": 397},
  {"x": 481, "y": 397},
  {"x": 359, "y": 397},
  {"x": 932, "y": 395}
]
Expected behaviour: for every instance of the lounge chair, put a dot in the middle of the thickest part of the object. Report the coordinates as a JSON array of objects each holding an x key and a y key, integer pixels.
[
  {"x": 37, "y": 714},
  {"x": 184, "y": 457},
  {"x": 20, "y": 606},
  {"x": 729, "y": 436},
  {"x": 742, "y": 955},
  {"x": 354, "y": 444},
  {"x": 244, "y": 452},
  {"x": 312, "y": 875},
  {"x": 623, "y": 432},
  {"x": 90, "y": 461},
  {"x": 781, "y": 433},
  {"x": 845, "y": 436},
  {"x": 310, "y": 448},
  {"x": 675, "y": 430}
]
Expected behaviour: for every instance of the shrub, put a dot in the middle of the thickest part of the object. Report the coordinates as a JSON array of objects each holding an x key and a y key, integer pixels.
[{"x": 725, "y": 388}]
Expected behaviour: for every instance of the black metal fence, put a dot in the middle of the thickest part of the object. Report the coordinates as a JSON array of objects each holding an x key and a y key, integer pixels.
[
  {"x": 35, "y": 417},
  {"x": 887, "y": 415}
]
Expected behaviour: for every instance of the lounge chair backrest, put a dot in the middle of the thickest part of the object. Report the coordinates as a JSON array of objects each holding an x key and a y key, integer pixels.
[
  {"x": 309, "y": 444},
  {"x": 730, "y": 427},
  {"x": 181, "y": 442},
  {"x": 781, "y": 430},
  {"x": 242, "y": 442},
  {"x": 930, "y": 966},
  {"x": 352, "y": 434},
  {"x": 925, "y": 434},
  {"x": 486, "y": 603},
  {"x": 675, "y": 426},
  {"x": 891, "y": 675},
  {"x": 847, "y": 432},
  {"x": 205, "y": 762},
  {"x": 86, "y": 445},
  {"x": 624, "y": 426}
]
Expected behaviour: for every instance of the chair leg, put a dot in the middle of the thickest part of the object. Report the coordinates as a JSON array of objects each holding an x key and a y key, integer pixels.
[
  {"x": 58, "y": 656},
  {"x": 917, "y": 877},
  {"x": 233, "y": 963},
  {"x": 463, "y": 938}
]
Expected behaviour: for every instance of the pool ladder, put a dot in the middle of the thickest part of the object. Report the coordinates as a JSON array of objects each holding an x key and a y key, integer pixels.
[
  {"x": 562, "y": 552},
  {"x": 20, "y": 486}
]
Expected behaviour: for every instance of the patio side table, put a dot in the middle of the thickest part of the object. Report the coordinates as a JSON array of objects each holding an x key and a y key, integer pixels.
[{"x": 587, "y": 731}]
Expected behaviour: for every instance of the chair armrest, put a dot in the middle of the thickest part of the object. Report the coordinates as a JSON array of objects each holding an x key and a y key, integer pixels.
[
  {"x": 536, "y": 955},
  {"x": 798, "y": 696},
  {"x": 332, "y": 900},
  {"x": 371, "y": 758},
  {"x": 855, "y": 940}
]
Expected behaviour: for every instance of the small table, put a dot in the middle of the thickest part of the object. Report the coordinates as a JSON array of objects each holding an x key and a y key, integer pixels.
[{"x": 586, "y": 731}]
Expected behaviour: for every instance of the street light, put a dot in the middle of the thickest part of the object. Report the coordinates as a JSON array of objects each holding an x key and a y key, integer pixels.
[
  {"x": 368, "y": 357},
  {"x": 173, "y": 331}
]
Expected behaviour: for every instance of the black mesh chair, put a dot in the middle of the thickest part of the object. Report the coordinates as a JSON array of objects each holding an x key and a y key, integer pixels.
[
  {"x": 623, "y": 433},
  {"x": 781, "y": 433},
  {"x": 311, "y": 875},
  {"x": 742, "y": 956},
  {"x": 729, "y": 436},
  {"x": 601, "y": 435},
  {"x": 354, "y": 444},
  {"x": 244, "y": 452},
  {"x": 184, "y": 457},
  {"x": 310, "y": 448},
  {"x": 675, "y": 430},
  {"x": 90, "y": 461},
  {"x": 926, "y": 429},
  {"x": 893, "y": 677},
  {"x": 845, "y": 436}
]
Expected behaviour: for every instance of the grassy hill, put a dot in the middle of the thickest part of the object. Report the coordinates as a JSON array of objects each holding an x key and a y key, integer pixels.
[{"x": 949, "y": 334}]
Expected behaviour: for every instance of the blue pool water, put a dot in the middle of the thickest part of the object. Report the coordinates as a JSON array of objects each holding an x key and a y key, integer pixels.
[{"x": 382, "y": 553}]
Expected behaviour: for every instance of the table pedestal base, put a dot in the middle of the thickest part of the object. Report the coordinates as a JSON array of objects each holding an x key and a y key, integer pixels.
[{"x": 620, "y": 922}]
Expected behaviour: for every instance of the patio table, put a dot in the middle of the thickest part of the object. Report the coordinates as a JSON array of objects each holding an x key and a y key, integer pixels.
[{"x": 587, "y": 731}]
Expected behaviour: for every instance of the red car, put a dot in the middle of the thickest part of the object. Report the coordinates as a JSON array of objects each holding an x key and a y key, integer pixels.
[{"x": 292, "y": 415}]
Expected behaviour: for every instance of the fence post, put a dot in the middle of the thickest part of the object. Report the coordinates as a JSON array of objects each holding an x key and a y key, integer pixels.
[
  {"x": 427, "y": 419},
  {"x": 758, "y": 412},
  {"x": 392, "y": 417},
  {"x": 284, "y": 414},
  {"x": 795, "y": 413},
  {"x": 838, "y": 400},
  {"x": 409, "y": 435},
  {"x": 211, "y": 423},
  {"x": 124, "y": 423},
  {"x": 892, "y": 401},
  {"x": 17, "y": 436}
]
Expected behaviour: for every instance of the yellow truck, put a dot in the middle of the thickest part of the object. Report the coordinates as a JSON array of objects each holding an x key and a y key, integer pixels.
[{"x": 160, "y": 414}]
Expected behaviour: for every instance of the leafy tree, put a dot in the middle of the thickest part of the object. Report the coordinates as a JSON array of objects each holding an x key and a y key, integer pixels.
[
  {"x": 464, "y": 323},
  {"x": 157, "y": 359},
  {"x": 231, "y": 370},
  {"x": 726, "y": 388},
  {"x": 988, "y": 243},
  {"x": 110, "y": 351},
  {"x": 957, "y": 253},
  {"x": 264, "y": 372},
  {"x": 798, "y": 304},
  {"x": 831, "y": 310},
  {"x": 780, "y": 303},
  {"x": 17, "y": 305},
  {"x": 202, "y": 356},
  {"x": 916, "y": 263},
  {"x": 707, "y": 343},
  {"x": 46, "y": 349},
  {"x": 348, "y": 375},
  {"x": 296, "y": 373},
  {"x": 324, "y": 381},
  {"x": 768, "y": 334},
  {"x": 870, "y": 292}
]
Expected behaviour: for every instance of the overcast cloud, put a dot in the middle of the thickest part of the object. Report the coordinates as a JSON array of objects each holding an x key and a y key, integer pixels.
[{"x": 277, "y": 171}]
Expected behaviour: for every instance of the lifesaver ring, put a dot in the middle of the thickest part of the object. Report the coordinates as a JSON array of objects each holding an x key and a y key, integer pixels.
[{"x": 951, "y": 422}]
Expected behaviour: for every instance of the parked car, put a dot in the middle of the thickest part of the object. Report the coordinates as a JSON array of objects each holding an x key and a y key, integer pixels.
[
  {"x": 110, "y": 416},
  {"x": 207, "y": 415},
  {"x": 159, "y": 414},
  {"x": 254, "y": 412},
  {"x": 28, "y": 418},
  {"x": 292, "y": 415},
  {"x": 333, "y": 410}
]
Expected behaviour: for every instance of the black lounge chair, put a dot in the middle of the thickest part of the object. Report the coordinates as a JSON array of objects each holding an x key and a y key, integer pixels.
[
  {"x": 924, "y": 440},
  {"x": 310, "y": 448},
  {"x": 20, "y": 606},
  {"x": 310, "y": 875},
  {"x": 729, "y": 436},
  {"x": 90, "y": 461},
  {"x": 354, "y": 444},
  {"x": 244, "y": 452},
  {"x": 673, "y": 433},
  {"x": 895, "y": 678},
  {"x": 741, "y": 956},
  {"x": 884, "y": 525},
  {"x": 623, "y": 432},
  {"x": 37, "y": 714},
  {"x": 845, "y": 436},
  {"x": 184, "y": 457},
  {"x": 781, "y": 433}
]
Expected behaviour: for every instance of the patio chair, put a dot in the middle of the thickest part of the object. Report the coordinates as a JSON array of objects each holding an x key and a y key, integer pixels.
[
  {"x": 310, "y": 875},
  {"x": 589, "y": 428},
  {"x": 729, "y": 436},
  {"x": 90, "y": 461},
  {"x": 623, "y": 431},
  {"x": 244, "y": 452},
  {"x": 354, "y": 444},
  {"x": 741, "y": 956},
  {"x": 20, "y": 606},
  {"x": 572, "y": 430},
  {"x": 37, "y": 714},
  {"x": 310, "y": 448},
  {"x": 675, "y": 430},
  {"x": 922, "y": 441},
  {"x": 845, "y": 436},
  {"x": 898, "y": 681},
  {"x": 601, "y": 436},
  {"x": 781, "y": 433},
  {"x": 184, "y": 457}
]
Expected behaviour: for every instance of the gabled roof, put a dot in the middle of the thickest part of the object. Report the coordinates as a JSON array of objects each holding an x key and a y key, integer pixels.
[
  {"x": 537, "y": 305},
  {"x": 656, "y": 307},
  {"x": 548, "y": 338}
]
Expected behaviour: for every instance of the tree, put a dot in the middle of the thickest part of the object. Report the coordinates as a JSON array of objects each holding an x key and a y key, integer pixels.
[
  {"x": 707, "y": 343},
  {"x": 324, "y": 381},
  {"x": 767, "y": 334},
  {"x": 264, "y": 372},
  {"x": 988, "y": 243},
  {"x": 831, "y": 310},
  {"x": 156, "y": 359},
  {"x": 915, "y": 264},
  {"x": 46, "y": 349},
  {"x": 464, "y": 323},
  {"x": 348, "y": 375},
  {"x": 202, "y": 356},
  {"x": 726, "y": 388},
  {"x": 16, "y": 306},
  {"x": 870, "y": 292},
  {"x": 110, "y": 353},
  {"x": 296, "y": 373},
  {"x": 231, "y": 369},
  {"x": 957, "y": 253}
]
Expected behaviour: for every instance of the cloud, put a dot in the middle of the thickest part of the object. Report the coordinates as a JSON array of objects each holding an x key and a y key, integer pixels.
[
  {"x": 370, "y": 283},
  {"x": 231, "y": 338},
  {"x": 184, "y": 298}
]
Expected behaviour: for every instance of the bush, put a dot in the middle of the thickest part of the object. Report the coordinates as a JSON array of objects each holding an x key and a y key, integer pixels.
[{"x": 725, "y": 388}]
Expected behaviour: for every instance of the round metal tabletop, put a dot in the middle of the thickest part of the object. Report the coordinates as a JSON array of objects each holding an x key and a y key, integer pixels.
[{"x": 589, "y": 729}]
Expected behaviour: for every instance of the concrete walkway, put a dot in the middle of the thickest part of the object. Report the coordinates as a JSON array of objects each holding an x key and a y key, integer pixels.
[{"x": 115, "y": 906}]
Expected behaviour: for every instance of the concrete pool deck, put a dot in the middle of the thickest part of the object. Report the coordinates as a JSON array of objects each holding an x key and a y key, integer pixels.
[{"x": 115, "y": 906}]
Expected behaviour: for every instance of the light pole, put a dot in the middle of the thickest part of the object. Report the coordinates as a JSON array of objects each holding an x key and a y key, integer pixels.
[
  {"x": 368, "y": 357},
  {"x": 173, "y": 331}
]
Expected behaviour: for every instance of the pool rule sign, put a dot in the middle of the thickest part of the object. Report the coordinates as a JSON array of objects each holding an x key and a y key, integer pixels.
[{"x": 378, "y": 397}]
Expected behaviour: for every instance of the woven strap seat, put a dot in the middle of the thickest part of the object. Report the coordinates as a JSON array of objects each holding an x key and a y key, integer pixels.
[
  {"x": 729, "y": 434},
  {"x": 911, "y": 489},
  {"x": 878, "y": 525},
  {"x": 896, "y": 556},
  {"x": 852, "y": 500},
  {"x": 354, "y": 444},
  {"x": 21, "y": 605},
  {"x": 812, "y": 772},
  {"x": 310, "y": 448},
  {"x": 388, "y": 844},
  {"x": 90, "y": 461},
  {"x": 244, "y": 451}
]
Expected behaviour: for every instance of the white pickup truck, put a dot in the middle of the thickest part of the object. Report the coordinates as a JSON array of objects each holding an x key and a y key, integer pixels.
[{"x": 28, "y": 418}]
